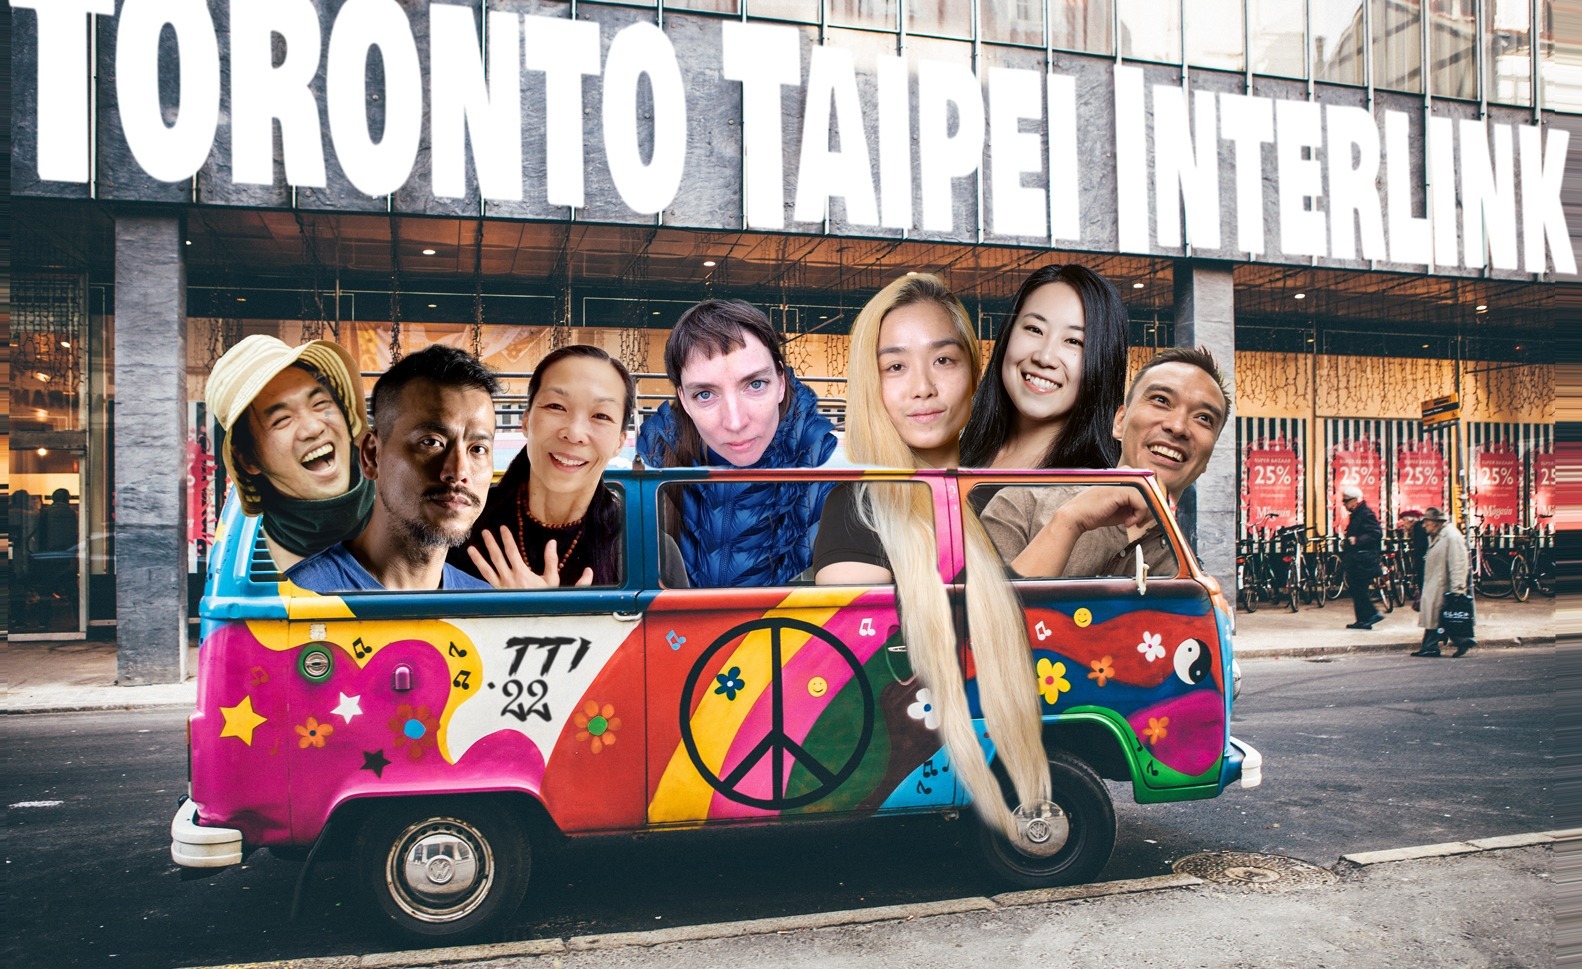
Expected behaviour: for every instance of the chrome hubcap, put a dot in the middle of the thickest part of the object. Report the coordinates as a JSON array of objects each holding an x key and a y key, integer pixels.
[{"x": 439, "y": 869}]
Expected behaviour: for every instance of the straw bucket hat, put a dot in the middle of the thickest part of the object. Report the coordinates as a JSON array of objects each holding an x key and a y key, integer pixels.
[{"x": 242, "y": 373}]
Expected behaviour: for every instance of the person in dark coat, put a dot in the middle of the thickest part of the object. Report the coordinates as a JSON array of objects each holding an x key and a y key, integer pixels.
[
  {"x": 1361, "y": 552},
  {"x": 1416, "y": 545}
]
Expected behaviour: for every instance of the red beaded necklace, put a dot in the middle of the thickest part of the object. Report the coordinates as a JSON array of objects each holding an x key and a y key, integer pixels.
[{"x": 523, "y": 516}]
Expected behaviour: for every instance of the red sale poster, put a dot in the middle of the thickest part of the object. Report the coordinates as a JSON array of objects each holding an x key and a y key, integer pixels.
[
  {"x": 1543, "y": 487},
  {"x": 1355, "y": 462},
  {"x": 200, "y": 486},
  {"x": 1420, "y": 471},
  {"x": 1272, "y": 477},
  {"x": 1496, "y": 486}
]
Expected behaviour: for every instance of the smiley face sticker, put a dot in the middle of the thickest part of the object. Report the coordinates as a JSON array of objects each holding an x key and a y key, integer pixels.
[
  {"x": 1082, "y": 617},
  {"x": 817, "y": 686}
]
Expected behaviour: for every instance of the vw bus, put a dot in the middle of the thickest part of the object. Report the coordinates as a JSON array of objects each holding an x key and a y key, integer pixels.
[{"x": 440, "y": 736}]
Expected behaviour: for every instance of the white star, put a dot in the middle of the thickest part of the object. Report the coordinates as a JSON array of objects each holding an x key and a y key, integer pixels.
[{"x": 348, "y": 707}]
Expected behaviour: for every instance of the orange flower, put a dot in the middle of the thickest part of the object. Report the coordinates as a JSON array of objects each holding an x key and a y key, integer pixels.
[
  {"x": 597, "y": 725},
  {"x": 313, "y": 733},
  {"x": 1103, "y": 670},
  {"x": 1156, "y": 729}
]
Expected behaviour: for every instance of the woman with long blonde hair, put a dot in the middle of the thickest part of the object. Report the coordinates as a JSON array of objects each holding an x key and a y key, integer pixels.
[{"x": 915, "y": 360}]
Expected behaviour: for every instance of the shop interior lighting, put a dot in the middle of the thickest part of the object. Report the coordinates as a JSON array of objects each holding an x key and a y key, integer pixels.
[
  {"x": 433, "y": 306},
  {"x": 43, "y": 452},
  {"x": 428, "y": 252},
  {"x": 1300, "y": 296},
  {"x": 42, "y": 413},
  {"x": 241, "y": 299},
  {"x": 1137, "y": 285},
  {"x": 1481, "y": 308},
  {"x": 911, "y": 272},
  {"x": 709, "y": 263},
  {"x": 66, "y": 344},
  {"x": 189, "y": 242},
  {"x": 42, "y": 376}
]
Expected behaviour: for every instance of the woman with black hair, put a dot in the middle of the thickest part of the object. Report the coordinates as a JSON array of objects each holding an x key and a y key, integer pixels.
[
  {"x": 1055, "y": 379},
  {"x": 551, "y": 521}
]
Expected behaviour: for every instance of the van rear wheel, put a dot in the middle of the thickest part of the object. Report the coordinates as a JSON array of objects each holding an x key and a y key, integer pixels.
[
  {"x": 444, "y": 869},
  {"x": 1091, "y": 816}
]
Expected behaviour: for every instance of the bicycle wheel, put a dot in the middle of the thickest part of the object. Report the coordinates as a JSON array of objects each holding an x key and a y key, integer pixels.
[
  {"x": 1521, "y": 579},
  {"x": 1544, "y": 575},
  {"x": 1381, "y": 588},
  {"x": 1335, "y": 575}
]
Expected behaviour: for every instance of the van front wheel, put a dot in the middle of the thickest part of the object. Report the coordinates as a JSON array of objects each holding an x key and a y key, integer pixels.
[
  {"x": 444, "y": 869},
  {"x": 1091, "y": 816}
]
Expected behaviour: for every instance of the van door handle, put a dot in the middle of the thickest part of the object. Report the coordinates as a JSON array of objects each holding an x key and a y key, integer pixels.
[
  {"x": 1142, "y": 571},
  {"x": 627, "y": 616}
]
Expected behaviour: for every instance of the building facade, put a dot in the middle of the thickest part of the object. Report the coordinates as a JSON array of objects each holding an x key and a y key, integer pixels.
[{"x": 1359, "y": 205}]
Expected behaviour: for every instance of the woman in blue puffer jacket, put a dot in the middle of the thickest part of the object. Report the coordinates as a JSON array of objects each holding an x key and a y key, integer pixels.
[{"x": 738, "y": 405}]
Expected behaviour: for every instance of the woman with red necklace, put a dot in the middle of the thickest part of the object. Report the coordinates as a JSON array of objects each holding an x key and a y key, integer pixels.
[{"x": 551, "y": 521}]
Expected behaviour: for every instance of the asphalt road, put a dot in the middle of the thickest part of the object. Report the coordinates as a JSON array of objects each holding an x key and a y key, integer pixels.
[{"x": 1361, "y": 753}]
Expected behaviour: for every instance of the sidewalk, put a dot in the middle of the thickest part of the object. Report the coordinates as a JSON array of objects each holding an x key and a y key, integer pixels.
[{"x": 56, "y": 677}]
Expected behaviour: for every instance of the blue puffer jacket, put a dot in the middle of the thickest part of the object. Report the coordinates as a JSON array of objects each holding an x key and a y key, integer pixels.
[{"x": 751, "y": 534}]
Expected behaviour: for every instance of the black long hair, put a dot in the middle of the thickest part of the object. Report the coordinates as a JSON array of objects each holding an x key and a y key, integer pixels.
[
  {"x": 603, "y": 525},
  {"x": 1087, "y": 440}
]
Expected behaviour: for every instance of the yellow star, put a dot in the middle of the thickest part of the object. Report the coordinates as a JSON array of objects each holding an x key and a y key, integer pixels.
[{"x": 241, "y": 721}]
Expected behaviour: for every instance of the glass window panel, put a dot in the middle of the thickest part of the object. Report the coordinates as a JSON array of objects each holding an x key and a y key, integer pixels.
[
  {"x": 1507, "y": 52},
  {"x": 1014, "y": 21},
  {"x": 1452, "y": 49},
  {"x": 1015, "y": 517},
  {"x": 1214, "y": 34},
  {"x": 802, "y": 11},
  {"x": 864, "y": 13},
  {"x": 714, "y": 6},
  {"x": 1082, "y": 26},
  {"x": 1561, "y": 52},
  {"x": 947, "y": 18},
  {"x": 1276, "y": 28},
  {"x": 1338, "y": 37},
  {"x": 1398, "y": 45},
  {"x": 1151, "y": 30}
]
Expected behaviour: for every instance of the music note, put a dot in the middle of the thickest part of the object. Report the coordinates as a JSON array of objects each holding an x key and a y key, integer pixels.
[
  {"x": 928, "y": 768},
  {"x": 461, "y": 680},
  {"x": 359, "y": 650},
  {"x": 1044, "y": 632},
  {"x": 924, "y": 788},
  {"x": 260, "y": 676},
  {"x": 275, "y": 750},
  {"x": 866, "y": 629},
  {"x": 457, "y": 651}
]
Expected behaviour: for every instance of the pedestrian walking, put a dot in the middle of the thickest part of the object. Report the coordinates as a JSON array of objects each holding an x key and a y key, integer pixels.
[
  {"x": 1364, "y": 537},
  {"x": 1444, "y": 571}
]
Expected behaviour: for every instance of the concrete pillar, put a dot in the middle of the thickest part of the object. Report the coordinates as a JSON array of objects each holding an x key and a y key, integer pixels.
[
  {"x": 1205, "y": 305},
  {"x": 150, "y": 449}
]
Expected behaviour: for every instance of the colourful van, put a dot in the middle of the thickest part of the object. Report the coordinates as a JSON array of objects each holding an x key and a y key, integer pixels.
[{"x": 440, "y": 736}]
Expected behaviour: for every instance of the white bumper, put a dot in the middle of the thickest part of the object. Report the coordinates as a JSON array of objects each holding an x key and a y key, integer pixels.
[
  {"x": 194, "y": 846},
  {"x": 1251, "y": 763}
]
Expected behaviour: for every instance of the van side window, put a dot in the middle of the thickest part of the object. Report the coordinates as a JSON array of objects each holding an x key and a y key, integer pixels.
[
  {"x": 740, "y": 534},
  {"x": 1016, "y": 516}
]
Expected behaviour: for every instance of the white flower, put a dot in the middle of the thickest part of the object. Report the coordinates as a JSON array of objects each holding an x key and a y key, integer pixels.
[
  {"x": 1151, "y": 647},
  {"x": 923, "y": 709}
]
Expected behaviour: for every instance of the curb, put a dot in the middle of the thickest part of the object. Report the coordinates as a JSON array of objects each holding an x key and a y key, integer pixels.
[
  {"x": 1449, "y": 848},
  {"x": 1347, "y": 649},
  {"x": 413, "y": 958}
]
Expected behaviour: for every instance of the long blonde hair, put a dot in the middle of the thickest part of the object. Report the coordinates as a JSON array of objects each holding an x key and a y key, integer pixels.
[{"x": 903, "y": 515}]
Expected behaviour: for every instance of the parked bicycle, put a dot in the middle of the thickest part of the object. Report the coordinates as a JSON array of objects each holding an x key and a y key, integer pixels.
[{"x": 1499, "y": 570}]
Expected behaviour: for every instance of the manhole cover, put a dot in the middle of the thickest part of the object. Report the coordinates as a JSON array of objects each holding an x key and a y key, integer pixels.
[{"x": 1255, "y": 872}]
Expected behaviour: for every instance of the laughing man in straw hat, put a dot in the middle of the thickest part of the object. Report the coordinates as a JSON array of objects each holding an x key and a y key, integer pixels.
[{"x": 292, "y": 417}]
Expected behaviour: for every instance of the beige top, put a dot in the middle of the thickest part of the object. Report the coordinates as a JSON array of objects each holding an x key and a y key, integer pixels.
[{"x": 1015, "y": 514}]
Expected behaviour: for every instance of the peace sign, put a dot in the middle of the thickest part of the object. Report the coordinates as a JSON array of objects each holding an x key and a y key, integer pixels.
[{"x": 776, "y": 744}]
